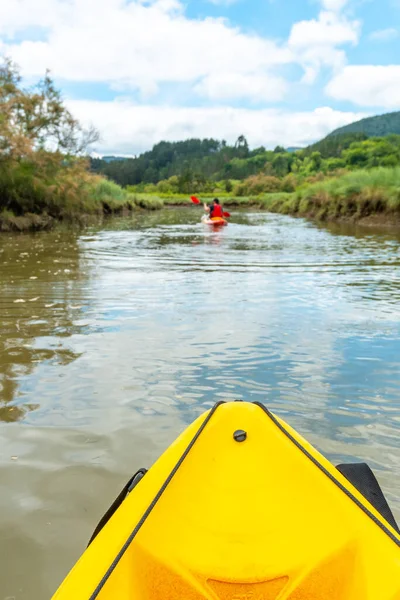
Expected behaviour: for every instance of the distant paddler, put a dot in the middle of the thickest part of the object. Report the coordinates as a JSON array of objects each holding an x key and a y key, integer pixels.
[
  {"x": 214, "y": 213},
  {"x": 214, "y": 210}
]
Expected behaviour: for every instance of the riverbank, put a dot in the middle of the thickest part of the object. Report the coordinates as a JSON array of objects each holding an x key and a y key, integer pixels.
[
  {"x": 45, "y": 175},
  {"x": 364, "y": 196},
  {"x": 358, "y": 196},
  {"x": 102, "y": 198},
  {"x": 99, "y": 199}
]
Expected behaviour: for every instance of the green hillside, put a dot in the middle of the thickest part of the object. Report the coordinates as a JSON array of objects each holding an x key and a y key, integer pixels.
[
  {"x": 333, "y": 145},
  {"x": 377, "y": 126},
  {"x": 341, "y": 139}
]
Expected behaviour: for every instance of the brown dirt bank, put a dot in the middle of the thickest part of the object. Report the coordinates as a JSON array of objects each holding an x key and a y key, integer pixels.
[{"x": 34, "y": 222}]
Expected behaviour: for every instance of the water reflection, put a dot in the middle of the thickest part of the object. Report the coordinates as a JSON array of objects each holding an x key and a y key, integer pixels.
[
  {"x": 40, "y": 302},
  {"x": 380, "y": 235}
]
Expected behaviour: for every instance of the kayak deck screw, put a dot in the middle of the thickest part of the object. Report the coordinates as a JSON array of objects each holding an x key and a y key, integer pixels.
[{"x": 239, "y": 435}]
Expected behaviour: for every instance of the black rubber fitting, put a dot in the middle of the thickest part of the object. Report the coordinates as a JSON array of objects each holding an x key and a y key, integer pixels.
[{"x": 239, "y": 435}]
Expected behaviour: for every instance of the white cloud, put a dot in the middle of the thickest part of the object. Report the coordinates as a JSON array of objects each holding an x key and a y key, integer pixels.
[
  {"x": 384, "y": 35},
  {"x": 316, "y": 41},
  {"x": 259, "y": 87},
  {"x": 329, "y": 29},
  {"x": 17, "y": 15},
  {"x": 367, "y": 85},
  {"x": 136, "y": 45},
  {"x": 334, "y": 5},
  {"x": 129, "y": 128},
  {"x": 141, "y": 44}
]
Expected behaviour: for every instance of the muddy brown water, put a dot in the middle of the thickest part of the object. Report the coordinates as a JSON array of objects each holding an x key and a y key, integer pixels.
[{"x": 114, "y": 338}]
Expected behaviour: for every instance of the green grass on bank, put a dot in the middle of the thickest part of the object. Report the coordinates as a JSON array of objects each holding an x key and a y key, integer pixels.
[
  {"x": 355, "y": 195},
  {"x": 38, "y": 204},
  {"x": 150, "y": 201}
]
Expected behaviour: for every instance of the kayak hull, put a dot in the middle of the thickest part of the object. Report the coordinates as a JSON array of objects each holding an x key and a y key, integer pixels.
[
  {"x": 215, "y": 222},
  {"x": 241, "y": 507}
]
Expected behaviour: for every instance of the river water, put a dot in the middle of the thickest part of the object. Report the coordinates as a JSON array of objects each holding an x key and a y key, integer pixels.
[{"x": 114, "y": 338}]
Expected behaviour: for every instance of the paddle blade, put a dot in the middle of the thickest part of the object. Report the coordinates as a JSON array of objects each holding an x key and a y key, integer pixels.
[
  {"x": 195, "y": 200},
  {"x": 226, "y": 214}
]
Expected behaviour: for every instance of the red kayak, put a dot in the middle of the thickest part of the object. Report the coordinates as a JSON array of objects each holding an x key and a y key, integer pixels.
[{"x": 214, "y": 221}]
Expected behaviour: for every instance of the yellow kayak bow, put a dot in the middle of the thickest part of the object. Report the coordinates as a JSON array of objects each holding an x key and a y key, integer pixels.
[{"x": 241, "y": 507}]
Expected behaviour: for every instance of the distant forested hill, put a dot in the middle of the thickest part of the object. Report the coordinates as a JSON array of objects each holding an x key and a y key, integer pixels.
[
  {"x": 378, "y": 126},
  {"x": 197, "y": 163},
  {"x": 333, "y": 145},
  {"x": 191, "y": 159},
  {"x": 341, "y": 139}
]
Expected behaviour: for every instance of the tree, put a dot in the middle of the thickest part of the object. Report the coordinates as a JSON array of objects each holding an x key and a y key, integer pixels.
[
  {"x": 242, "y": 146},
  {"x": 41, "y": 147},
  {"x": 228, "y": 186},
  {"x": 281, "y": 164},
  {"x": 241, "y": 142},
  {"x": 185, "y": 181},
  {"x": 356, "y": 156},
  {"x": 315, "y": 161},
  {"x": 37, "y": 119}
]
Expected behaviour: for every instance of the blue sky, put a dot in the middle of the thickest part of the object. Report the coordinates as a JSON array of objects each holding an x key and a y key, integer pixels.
[{"x": 277, "y": 71}]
